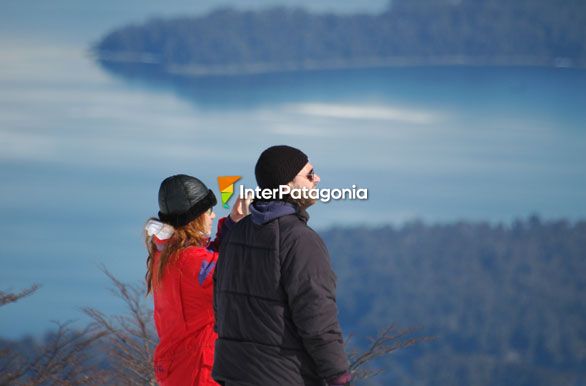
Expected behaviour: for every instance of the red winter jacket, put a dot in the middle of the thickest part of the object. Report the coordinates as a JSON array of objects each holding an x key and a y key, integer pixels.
[{"x": 184, "y": 317}]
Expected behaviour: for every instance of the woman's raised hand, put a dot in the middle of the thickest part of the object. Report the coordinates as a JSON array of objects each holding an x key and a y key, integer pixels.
[{"x": 240, "y": 209}]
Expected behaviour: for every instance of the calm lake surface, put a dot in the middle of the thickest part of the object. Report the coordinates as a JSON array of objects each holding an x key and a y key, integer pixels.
[{"x": 84, "y": 149}]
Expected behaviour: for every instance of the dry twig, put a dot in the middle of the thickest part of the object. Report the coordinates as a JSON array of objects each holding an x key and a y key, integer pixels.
[
  {"x": 387, "y": 342},
  {"x": 131, "y": 337}
]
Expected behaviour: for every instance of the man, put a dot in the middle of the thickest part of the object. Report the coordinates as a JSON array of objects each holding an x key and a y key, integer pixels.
[{"x": 274, "y": 292}]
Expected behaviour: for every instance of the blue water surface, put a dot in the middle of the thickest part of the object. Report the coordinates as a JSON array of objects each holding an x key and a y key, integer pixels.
[{"x": 85, "y": 146}]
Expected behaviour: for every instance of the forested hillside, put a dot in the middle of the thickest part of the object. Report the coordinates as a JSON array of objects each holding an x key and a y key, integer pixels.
[
  {"x": 410, "y": 32},
  {"x": 505, "y": 302}
]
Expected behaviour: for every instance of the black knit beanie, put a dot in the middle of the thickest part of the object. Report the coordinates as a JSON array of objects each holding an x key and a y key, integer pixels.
[
  {"x": 278, "y": 165},
  {"x": 182, "y": 199}
]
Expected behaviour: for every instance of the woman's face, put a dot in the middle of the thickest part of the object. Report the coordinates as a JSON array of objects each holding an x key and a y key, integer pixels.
[{"x": 209, "y": 216}]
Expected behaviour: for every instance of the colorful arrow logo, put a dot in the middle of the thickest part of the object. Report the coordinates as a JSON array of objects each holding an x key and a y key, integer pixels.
[{"x": 226, "y": 184}]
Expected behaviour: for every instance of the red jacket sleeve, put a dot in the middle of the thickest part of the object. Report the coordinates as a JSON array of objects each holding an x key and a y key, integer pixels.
[
  {"x": 224, "y": 226},
  {"x": 196, "y": 282},
  {"x": 198, "y": 265}
]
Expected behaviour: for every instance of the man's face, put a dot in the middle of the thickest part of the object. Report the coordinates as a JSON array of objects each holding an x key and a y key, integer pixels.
[{"x": 306, "y": 178}]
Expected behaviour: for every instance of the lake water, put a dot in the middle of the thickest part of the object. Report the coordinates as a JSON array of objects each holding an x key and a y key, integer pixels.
[{"x": 84, "y": 149}]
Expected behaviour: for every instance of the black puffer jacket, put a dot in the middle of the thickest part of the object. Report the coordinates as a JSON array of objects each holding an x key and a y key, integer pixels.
[{"x": 274, "y": 297}]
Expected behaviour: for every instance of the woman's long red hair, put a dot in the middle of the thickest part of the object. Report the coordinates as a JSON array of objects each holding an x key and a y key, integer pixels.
[{"x": 192, "y": 234}]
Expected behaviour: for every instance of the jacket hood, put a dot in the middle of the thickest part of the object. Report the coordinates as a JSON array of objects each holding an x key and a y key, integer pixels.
[{"x": 266, "y": 211}]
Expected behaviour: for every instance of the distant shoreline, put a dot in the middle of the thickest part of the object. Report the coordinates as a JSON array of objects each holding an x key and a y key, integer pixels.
[
  {"x": 269, "y": 68},
  {"x": 408, "y": 33}
]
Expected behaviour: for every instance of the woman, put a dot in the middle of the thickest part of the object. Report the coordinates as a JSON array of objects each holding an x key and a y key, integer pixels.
[{"x": 180, "y": 265}]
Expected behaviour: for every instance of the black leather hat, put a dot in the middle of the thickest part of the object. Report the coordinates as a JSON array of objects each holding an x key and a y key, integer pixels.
[{"x": 182, "y": 199}]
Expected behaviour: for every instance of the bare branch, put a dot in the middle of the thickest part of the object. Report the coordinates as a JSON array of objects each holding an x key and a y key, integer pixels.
[
  {"x": 385, "y": 343},
  {"x": 7, "y": 297},
  {"x": 131, "y": 337},
  {"x": 62, "y": 360}
]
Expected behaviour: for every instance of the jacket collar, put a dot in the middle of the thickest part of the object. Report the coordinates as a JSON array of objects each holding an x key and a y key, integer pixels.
[{"x": 263, "y": 212}]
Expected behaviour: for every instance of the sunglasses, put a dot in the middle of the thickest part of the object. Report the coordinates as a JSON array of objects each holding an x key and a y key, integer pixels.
[{"x": 310, "y": 176}]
